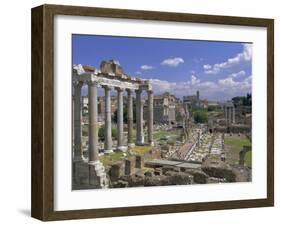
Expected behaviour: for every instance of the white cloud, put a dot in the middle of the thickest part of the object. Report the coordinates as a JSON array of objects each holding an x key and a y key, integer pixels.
[
  {"x": 146, "y": 67},
  {"x": 248, "y": 51},
  {"x": 194, "y": 80},
  {"x": 160, "y": 86},
  {"x": 172, "y": 62},
  {"x": 248, "y": 80},
  {"x": 223, "y": 89},
  {"x": 227, "y": 83},
  {"x": 138, "y": 73},
  {"x": 230, "y": 86},
  {"x": 240, "y": 73},
  {"x": 242, "y": 57},
  {"x": 207, "y": 67}
]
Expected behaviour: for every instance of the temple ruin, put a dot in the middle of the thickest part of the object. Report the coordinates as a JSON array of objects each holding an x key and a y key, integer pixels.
[
  {"x": 110, "y": 76},
  {"x": 229, "y": 112}
]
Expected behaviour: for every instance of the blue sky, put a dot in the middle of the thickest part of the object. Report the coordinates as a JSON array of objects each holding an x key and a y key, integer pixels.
[{"x": 219, "y": 70}]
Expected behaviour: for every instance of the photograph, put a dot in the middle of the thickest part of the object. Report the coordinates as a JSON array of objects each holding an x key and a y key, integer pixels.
[
  {"x": 138, "y": 112},
  {"x": 160, "y": 112}
]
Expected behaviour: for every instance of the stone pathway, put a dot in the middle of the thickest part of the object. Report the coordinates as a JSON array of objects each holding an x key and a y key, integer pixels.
[
  {"x": 181, "y": 164},
  {"x": 209, "y": 144}
]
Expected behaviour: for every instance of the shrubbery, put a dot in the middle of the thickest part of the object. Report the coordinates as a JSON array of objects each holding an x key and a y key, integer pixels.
[
  {"x": 211, "y": 108},
  {"x": 200, "y": 116},
  {"x": 171, "y": 142},
  {"x": 102, "y": 133}
]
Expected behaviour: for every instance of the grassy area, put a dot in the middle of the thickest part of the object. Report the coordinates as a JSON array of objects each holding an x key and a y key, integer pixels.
[
  {"x": 114, "y": 157},
  {"x": 234, "y": 144},
  {"x": 214, "y": 114},
  {"x": 119, "y": 156},
  {"x": 170, "y": 135},
  {"x": 248, "y": 159},
  {"x": 147, "y": 169},
  {"x": 140, "y": 150},
  {"x": 160, "y": 134},
  {"x": 236, "y": 141}
]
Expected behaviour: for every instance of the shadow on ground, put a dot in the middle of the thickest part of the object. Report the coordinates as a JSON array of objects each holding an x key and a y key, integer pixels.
[{"x": 25, "y": 212}]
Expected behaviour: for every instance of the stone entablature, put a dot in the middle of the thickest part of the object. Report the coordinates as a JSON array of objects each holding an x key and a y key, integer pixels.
[{"x": 110, "y": 79}]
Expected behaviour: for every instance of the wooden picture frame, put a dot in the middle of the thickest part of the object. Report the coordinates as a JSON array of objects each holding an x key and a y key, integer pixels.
[{"x": 43, "y": 112}]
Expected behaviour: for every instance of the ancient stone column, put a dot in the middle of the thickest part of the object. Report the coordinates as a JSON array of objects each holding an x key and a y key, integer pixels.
[
  {"x": 78, "y": 154},
  {"x": 93, "y": 122},
  {"x": 227, "y": 115},
  {"x": 139, "y": 118},
  {"x": 120, "y": 122},
  {"x": 150, "y": 117},
  {"x": 108, "y": 131},
  {"x": 97, "y": 175},
  {"x": 130, "y": 118},
  {"x": 233, "y": 115},
  {"x": 230, "y": 115}
]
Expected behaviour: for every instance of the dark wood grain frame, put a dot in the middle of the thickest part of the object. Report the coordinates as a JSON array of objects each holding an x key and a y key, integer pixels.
[{"x": 42, "y": 203}]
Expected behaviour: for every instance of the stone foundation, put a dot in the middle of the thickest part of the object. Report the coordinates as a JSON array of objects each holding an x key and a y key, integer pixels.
[
  {"x": 80, "y": 172},
  {"x": 129, "y": 166},
  {"x": 139, "y": 162},
  {"x": 97, "y": 175}
]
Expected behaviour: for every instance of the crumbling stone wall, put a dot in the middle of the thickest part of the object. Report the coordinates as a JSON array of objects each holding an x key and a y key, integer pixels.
[{"x": 111, "y": 66}]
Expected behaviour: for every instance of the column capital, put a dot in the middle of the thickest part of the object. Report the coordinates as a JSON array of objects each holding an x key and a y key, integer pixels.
[
  {"x": 77, "y": 83},
  {"x": 150, "y": 91},
  {"x": 107, "y": 87},
  {"x": 92, "y": 83},
  {"x": 119, "y": 89},
  {"x": 129, "y": 91},
  {"x": 138, "y": 91}
]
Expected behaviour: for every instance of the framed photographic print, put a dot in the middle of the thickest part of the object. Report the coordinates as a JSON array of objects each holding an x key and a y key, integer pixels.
[{"x": 141, "y": 112}]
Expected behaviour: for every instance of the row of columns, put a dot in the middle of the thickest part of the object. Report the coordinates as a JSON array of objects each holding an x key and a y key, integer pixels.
[
  {"x": 93, "y": 120},
  {"x": 229, "y": 112}
]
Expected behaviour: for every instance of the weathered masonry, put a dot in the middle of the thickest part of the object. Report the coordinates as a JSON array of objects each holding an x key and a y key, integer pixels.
[
  {"x": 229, "y": 113},
  {"x": 109, "y": 77}
]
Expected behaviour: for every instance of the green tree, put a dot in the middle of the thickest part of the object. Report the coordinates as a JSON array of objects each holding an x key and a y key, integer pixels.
[
  {"x": 102, "y": 133},
  {"x": 125, "y": 113},
  {"x": 114, "y": 133},
  {"x": 211, "y": 108},
  {"x": 200, "y": 116},
  {"x": 249, "y": 99},
  {"x": 239, "y": 100},
  {"x": 243, "y": 100}
]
